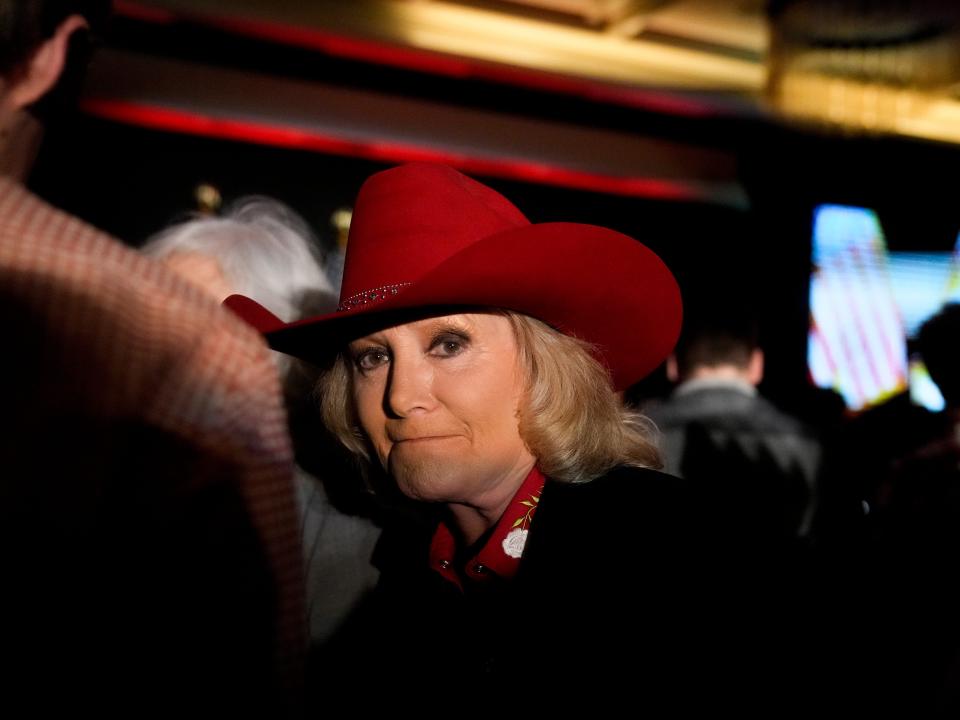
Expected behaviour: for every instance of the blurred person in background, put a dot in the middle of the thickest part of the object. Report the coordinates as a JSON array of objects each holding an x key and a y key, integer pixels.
[
  {"x": 718, "y": 430},
  {"x": 917, "y": 534},
  {"x": 921, "y": 493},
  {"x": 149, "y": 551},
  {"x": 263, "y": 249}
]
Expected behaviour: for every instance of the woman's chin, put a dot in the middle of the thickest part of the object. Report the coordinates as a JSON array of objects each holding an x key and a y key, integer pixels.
[{"x": 431, "y": 479}]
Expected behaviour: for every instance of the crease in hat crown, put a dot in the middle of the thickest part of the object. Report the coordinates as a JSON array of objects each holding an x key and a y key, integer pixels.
[{"x": 408, "y": 220}]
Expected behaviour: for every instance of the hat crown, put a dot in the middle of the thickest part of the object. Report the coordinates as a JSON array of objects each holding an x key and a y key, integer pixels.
[
  {"x": 425, "y": 236},
  {"x": 409, "y": 219}
]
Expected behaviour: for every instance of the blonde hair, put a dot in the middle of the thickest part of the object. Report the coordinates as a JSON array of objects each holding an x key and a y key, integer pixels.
[{"x": 570, "y": 418}]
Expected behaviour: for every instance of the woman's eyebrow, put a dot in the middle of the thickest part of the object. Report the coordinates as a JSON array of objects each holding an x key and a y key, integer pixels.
[
  {"x": 377, "y": 336},
  {"x": 451, "y": 328},
  {"x": 364, "y": 343},
  {"x": 459, "y": 325}
]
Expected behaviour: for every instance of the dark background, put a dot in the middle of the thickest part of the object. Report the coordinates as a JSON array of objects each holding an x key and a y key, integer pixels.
[{"x": 132, "y": 182}]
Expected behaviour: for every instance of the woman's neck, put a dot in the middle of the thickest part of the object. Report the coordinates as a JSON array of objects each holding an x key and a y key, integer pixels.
[{"x": 475, "y": 518}]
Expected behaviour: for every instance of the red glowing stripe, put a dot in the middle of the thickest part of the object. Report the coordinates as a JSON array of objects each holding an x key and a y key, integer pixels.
[
  {"x": 821, "y": 342},
  {"x": 890, "y": 340},
  {"x": 831, "y": 315},
  {"x": 146, "y": 13},
  {"x": 167, "y": 119},
  {"x": 434, "y": 63}
]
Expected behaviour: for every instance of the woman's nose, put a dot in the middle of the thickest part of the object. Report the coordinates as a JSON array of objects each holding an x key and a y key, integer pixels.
[{"x": 409, "y": 388}]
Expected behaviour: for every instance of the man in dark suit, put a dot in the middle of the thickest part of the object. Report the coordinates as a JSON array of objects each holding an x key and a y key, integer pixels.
[{"x": 760, "y": 463}]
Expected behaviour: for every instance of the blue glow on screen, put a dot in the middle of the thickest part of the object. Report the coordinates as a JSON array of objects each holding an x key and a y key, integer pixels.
[{"x": 866, "y": 302}]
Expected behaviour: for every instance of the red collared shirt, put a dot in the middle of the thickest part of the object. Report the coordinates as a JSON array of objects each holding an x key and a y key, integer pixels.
[{"x": 500, "y": 554}]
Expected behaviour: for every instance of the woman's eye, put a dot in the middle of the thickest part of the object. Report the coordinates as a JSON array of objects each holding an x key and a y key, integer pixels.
[
  {"x": 370, "y": 359},
  {"x": 449, "y": 345}
]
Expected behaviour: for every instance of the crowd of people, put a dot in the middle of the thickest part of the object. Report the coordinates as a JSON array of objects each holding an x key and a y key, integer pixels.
[{"x": 231, "y": 488}]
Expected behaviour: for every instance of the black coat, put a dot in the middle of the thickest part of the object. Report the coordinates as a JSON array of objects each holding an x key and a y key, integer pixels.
[{"x": 627, "y": 590}]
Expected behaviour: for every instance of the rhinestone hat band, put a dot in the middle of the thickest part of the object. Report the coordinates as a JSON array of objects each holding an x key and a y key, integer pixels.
[{"x": 369, "y": 296}]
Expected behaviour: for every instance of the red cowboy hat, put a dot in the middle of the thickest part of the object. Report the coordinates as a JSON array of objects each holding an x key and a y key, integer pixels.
[{"x": 424, "y": 236}]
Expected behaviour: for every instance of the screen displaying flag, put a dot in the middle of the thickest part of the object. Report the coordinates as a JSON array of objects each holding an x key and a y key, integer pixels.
[{"x": 866, "y": 302}]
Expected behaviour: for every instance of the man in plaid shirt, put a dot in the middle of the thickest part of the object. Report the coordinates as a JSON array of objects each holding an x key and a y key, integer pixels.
[{"x": 150, "y": 559}]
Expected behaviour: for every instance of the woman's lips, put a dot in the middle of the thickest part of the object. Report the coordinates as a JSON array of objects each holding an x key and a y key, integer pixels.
[{"x": 424, "y": 438}]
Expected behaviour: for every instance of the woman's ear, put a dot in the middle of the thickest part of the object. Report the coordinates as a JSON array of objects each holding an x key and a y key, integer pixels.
[{"x": 42, "y": 70}]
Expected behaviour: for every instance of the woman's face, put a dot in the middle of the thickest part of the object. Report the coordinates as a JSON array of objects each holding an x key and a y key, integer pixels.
[{"x": 438, "y": 398}]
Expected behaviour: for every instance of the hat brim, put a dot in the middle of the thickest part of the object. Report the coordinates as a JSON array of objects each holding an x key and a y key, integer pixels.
[{"x": 587, "y": 281}]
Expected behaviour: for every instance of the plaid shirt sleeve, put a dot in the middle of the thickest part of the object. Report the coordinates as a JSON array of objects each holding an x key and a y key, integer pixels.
[{"x": 173, "y": 361}]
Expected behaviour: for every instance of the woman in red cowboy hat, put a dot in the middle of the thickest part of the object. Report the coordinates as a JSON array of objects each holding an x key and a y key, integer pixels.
[{"x": 475, "y": 358}]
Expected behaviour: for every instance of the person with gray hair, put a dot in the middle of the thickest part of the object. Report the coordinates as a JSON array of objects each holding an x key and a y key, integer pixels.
[
  {"x": 259, "y": 247},
  {"x": 262, "y": 248}
]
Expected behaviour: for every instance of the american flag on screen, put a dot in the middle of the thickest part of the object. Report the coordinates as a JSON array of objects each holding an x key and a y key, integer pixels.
[{"x": 857, "y": 342}]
